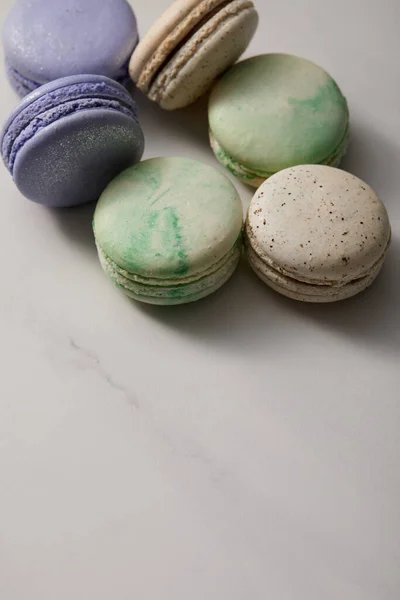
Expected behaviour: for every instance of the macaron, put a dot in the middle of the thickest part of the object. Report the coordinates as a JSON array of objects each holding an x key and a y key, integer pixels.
[
  {"x": 189, "y": 46},
  {"x": 68, "y": 139},
  {"x": 45, "y": 40},
  {"x": 317, "y": 234},
  {"x": 276, "y": 111},
  {"x": 169, "y": 231}
]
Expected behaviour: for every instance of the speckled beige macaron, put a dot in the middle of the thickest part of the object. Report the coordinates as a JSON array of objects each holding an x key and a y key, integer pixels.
[
  {"x": 317, "y": 234},
  {"x": 192, "y": 43}
]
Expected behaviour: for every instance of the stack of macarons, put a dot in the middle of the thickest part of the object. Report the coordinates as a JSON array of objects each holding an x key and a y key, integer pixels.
[{"x": 170, "y": 230}]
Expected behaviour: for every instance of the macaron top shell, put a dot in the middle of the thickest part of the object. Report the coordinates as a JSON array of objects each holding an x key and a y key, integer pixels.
[
  {"x": 319, "y": 225},
  {"x": 274, "y": 111},
  {"x": 48, "y": 39},
  {"x": 168, "y": 218}
]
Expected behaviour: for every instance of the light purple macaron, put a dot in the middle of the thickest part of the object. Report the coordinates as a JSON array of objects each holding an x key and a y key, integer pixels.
[
  {"x": 45, "y": 40},
  {"x": 68, "y": 139}
]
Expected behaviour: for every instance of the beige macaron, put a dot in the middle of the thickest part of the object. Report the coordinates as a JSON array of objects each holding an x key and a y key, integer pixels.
[
  {"x": 317, "y": 234},
  {"x": 189, "y": 46}
]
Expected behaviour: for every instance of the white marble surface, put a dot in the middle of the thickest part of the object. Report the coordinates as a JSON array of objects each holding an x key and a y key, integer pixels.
[{"x": 246, "y": 447}]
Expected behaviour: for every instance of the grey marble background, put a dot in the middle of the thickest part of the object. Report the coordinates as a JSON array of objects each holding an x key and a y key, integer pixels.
[{"x": 244, "y": 448}]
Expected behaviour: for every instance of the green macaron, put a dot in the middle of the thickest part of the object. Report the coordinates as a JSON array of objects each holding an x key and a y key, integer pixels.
[
  {"x": 169, "y": 230},
  {"x": 276, "y": 111}
]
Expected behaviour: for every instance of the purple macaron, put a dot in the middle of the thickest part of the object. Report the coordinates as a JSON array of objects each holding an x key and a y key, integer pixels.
[
  {"x": 45, "y": 40},
  {"x": 68, "y": 139}
]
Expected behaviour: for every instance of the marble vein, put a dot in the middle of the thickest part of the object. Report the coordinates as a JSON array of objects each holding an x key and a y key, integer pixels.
[{"x": 97, "y": 366}]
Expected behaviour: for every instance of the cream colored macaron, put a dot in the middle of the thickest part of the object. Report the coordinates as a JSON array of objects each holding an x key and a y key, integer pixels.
[
  {"x": 189, "y": 46},
  {"x": 317, "y": 234}
]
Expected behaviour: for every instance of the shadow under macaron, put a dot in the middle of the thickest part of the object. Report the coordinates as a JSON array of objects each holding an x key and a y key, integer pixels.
[
  {"x": 236, "y": 316},
  {"x": 372, "y": 317},
  {"x": 76, "y": 225},
  {"x": 375, "y": 159},
  {"x": 247, "y": 313}
]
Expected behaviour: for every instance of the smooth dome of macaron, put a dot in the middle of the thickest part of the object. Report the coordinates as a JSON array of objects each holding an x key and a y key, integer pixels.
[
  {"x": 46, "y": 40},
  {"x": 189, "y": 46},
  {"x": 317, "y": 234},
  {"x": 168, "y": 230},
  {"x": 67, "y": 140},
  {"x": 275, "y": 111}
]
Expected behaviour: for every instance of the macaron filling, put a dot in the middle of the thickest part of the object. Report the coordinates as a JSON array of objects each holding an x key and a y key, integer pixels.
[
  {"x": 195, "y": 286},
  {"x": 256, "y": 177},
  {"x": 62, "y": 102}
]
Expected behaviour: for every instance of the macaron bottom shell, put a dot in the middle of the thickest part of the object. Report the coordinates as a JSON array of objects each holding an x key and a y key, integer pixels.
[
  {"x": 305, "y": 292},
  {"x": 169, "y": 292},
  {"x": 256, "y": 179}
]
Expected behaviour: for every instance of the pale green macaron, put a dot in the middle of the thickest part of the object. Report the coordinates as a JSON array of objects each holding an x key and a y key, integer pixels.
[
  {"x": 169, "y": 230},
  {"x": 276, "y": 111}
]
